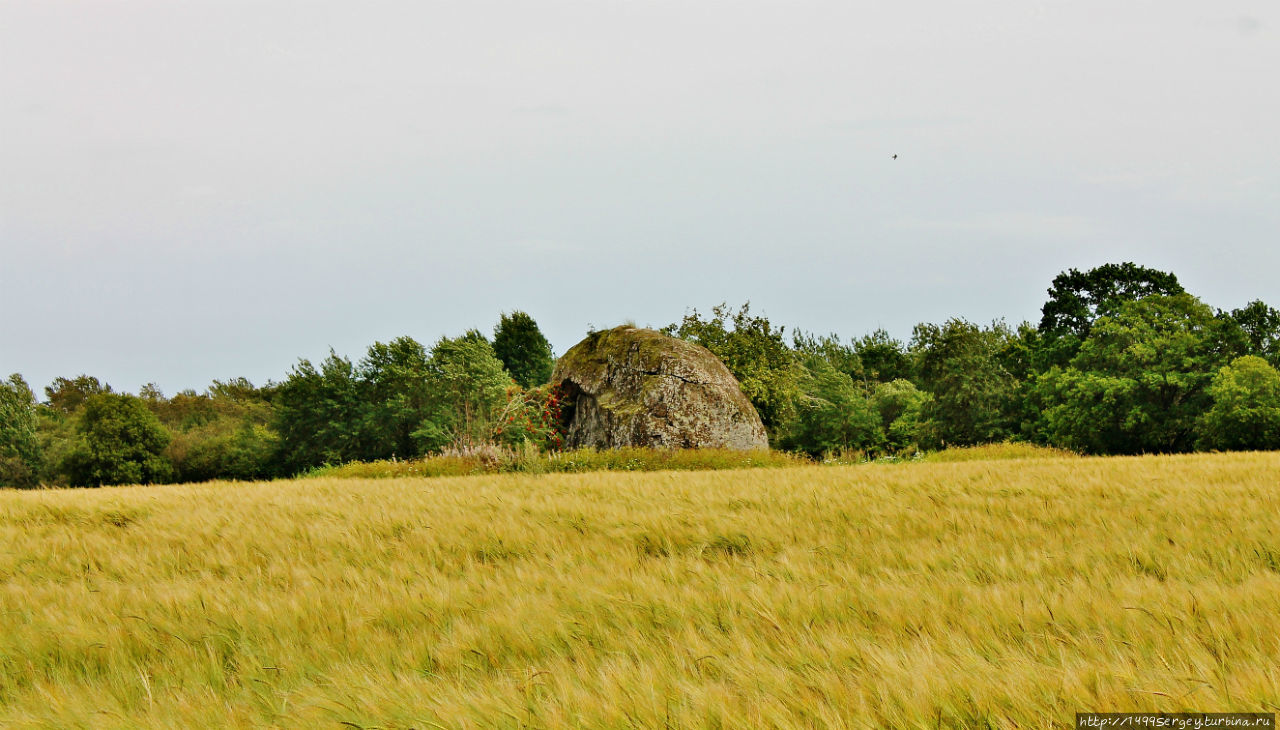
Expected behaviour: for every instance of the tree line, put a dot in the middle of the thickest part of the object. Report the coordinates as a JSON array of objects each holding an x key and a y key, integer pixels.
[{"x": 1122, "y": 361}]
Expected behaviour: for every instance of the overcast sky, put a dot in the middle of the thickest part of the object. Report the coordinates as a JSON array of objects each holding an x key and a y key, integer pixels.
[{"x": 207, "y": 189}]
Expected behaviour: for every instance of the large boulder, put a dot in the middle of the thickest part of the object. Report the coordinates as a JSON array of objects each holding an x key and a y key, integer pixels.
[{"x": 636, "y": 387}]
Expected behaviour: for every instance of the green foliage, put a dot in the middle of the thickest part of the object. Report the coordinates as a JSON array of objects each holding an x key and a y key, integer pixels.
[
  {"x": 844, "y": 358},
  {"x": 832, "y": 413},
  {"x": 1260, "y": 328},
  {"x": 1246, "y": 407},
  {"x": 523, "y": 350},
  {"x": 962, "y": 366},
  {"x": 900, "y": 406},
  {"x": 239, "y": 390},
  {"x": 396, "y": 399},
  {"x": 318, "y": 414},
  {"x": 1138, "y": 383},
  {"x": 225, "y": 449},
  {"x": 1021, "y": 352},
  {"x": 121, "y": 442},
  {"x": 20, "y": 454},
  {"x": 755, "y": 353},
  {"x": 468, "y": 387},
  {"x": 883, "y": 358},
  {"x": 68, "y": 395},
  {"x": 531, "y": 416},
  {"x": 1077, "y": 300},
  {"x": 184, "y": 411},
  {"x": 56, "y": 432},
  {"x": 221, "y": 434}
]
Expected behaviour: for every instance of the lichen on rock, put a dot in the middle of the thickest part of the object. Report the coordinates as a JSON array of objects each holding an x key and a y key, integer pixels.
[{"x": 637, "y": 387}]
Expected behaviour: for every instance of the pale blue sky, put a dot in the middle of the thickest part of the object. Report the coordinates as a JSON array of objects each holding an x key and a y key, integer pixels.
[{"x": 211, "y": 188}]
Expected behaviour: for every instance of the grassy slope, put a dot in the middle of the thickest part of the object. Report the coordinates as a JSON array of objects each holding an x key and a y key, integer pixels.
[{"x": 1015, "y": 592}]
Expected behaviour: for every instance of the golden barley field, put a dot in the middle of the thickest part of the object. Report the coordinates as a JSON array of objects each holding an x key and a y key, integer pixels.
[{"x": 1006, "y": 594}]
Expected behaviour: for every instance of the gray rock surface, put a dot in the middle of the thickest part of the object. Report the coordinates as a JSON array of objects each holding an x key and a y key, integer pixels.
[{"x": 637, "y": 387}]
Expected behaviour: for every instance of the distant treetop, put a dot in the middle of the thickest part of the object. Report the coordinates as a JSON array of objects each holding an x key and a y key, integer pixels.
[
  {"x": 1077, "y": 300},
  {"x": 523, "y": 350}
]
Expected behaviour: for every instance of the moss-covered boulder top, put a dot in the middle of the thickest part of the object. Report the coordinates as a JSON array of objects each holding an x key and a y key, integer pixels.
[{"x": 637, "y": 387}]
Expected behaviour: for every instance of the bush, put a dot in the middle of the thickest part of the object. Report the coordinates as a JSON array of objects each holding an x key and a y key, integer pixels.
[
  {"x": 225, "y": 449},
  {"x": 530, "y": 416}
]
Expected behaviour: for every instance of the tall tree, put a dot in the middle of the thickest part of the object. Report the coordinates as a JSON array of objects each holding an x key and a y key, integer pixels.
[
  {"x": 832, "y": 412},
  {"x": 1138, "y": 383},
  {"x": 1078, "y": 299},
  {"x": 319, "y": 414},
  {"x": 122, "y": 443},
  {"x": 961, "y": 365},
  {"x": 468, "y": 387},
  {"x": 69, "y": 394},
  {"x": 19, "y": 446},
  {"x": 523, "y": 350},
  {"x": 397, "y": 397},
  {"x": 1260, "y": 326}
]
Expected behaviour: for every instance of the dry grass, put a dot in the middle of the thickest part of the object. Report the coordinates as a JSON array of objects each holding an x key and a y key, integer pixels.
[
  {"x": 998, "y": 452},
  {"x": 1001, "y": 593},
  {"x": 490, "y": 459}
]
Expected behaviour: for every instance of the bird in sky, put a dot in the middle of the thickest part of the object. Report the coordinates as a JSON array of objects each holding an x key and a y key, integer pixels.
[{"x": 895, "y": 157}]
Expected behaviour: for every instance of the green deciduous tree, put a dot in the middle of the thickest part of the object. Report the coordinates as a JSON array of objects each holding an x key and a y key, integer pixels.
[
  {"x": 468, "y": 389},
  {"x": 1138, "y": 383},
  {"x": 843, "y": 357},
  {"x": 396, "y": 398},
  {"x": 883, "y": 358},
  {"x": 962, "y": 366},
  {"x": 1260, "y": 327},
  {"x": 68, "y": 395},
  {"x": 1077, "y": 299},
  {"x": 832, "y": 413},
  {"x": 1246, "y": 407},
  {"x": 122, "y": 442},
  {"x": 523, "y": 350},
  {"x": 900, "y": 406},
  {"x": 20, "y": 454},
  {"x": 319, "y": 414}
]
